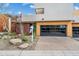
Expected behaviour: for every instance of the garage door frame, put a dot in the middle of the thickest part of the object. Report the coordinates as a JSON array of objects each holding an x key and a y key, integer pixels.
[{"x": 68, "y": 23}]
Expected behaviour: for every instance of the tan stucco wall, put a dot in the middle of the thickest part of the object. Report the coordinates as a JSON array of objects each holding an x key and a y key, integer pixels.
[
  {"x": 68, "y": 23},
  {"x": 75, "y": 24}
]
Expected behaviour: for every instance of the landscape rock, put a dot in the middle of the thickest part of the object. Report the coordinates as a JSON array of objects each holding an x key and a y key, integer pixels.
[
  {"x": 23, "y": 46},
  {"x": 16, "y": 41},
  {"x": 10, "y": 37},
  {"x": 1, "y": 33},
  {"x": 5, "y": 37}
]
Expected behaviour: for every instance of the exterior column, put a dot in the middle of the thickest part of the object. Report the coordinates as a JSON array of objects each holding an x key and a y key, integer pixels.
[
  {"x": 37, "y": 29},
  {"x": 69, "y": 29}
]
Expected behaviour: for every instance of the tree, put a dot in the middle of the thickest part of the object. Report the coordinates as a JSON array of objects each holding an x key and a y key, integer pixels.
[{"x": 20, "y": 21}]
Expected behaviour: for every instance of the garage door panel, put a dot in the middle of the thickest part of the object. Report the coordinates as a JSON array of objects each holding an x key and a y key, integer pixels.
[
  {"x": 53, "y": 30},
  {"x": 75, "y": 31},
  {"x": 53, "y": 34}
]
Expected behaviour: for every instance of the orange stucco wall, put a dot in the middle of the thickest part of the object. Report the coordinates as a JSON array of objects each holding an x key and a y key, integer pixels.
[
  {"x": 68, "y": 23},
  {"x": 75, "y": 24}
]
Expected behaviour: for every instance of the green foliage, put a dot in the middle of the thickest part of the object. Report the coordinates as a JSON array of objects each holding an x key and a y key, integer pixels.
[
  {"x": 26, "y": 34},
  {"x": 25, "y": 39},
  {"x": 12, "y": 34}
]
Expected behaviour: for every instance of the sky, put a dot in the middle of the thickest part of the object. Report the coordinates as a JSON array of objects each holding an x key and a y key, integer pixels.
[
  {"x": 76, "y": 6},
  {"x": 24, "y": 8},
  {"x": 15, "y": 8}
]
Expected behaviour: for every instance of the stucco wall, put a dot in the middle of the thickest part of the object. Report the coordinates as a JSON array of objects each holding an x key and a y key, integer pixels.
[
  {"x": 55, "y": 11},
  {"x": 27, "y": 18},
  {"x": 76, "y": 15}
]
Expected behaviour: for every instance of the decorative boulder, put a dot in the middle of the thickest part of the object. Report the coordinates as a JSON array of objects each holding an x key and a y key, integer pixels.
[
  {"x": 16, "y": 41},
  {"x": 10, "y": 37},
  {"x": 5, "y": 37},
  {"x": 1, "y": 33},
  {"x": 23, "y": 46}
]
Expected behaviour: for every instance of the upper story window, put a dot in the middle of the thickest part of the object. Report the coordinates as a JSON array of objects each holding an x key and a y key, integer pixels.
[{"x": 39, "y": 10}]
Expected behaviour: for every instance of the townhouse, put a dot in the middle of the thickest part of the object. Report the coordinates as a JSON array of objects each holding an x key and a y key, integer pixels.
[{"x": 51, "y": 19}]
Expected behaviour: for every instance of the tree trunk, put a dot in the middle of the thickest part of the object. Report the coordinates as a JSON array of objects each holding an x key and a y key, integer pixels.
[{"x": 21, "y": 28}]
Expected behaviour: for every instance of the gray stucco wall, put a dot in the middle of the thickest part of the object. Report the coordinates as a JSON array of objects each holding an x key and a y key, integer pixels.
[
  {"x": 29, "y": 18},
  {"x": 55, "y": 11}
]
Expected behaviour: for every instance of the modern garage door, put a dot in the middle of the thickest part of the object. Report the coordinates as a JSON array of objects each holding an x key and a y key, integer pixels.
[
  {"x": 75, "y": 31},
  {"x": 53, "y": 30}
]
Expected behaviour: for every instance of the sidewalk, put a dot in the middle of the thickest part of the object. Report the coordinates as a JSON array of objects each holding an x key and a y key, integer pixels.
[{"x": 39, "y": 53}]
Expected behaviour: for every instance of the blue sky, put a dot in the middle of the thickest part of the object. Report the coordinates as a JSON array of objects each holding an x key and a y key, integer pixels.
[
  {"x": 15, "y": 8},
  {"x": 76, "y": 6},
  {"x": 25, "y": 8}
]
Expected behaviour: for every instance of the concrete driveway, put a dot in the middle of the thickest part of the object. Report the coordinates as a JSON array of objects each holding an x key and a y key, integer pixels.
[
  {"x": 48, "y": 46},
  {"x": 57, "y": 43}
]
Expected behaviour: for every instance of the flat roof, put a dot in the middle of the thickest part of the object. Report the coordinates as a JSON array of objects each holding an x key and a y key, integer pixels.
[
  {"x": 42, "y": 21},
  {"x": 53, "y": 20}
]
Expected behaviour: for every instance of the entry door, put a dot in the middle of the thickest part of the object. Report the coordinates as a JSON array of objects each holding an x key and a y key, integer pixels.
[{"x": 53, "y": 30}]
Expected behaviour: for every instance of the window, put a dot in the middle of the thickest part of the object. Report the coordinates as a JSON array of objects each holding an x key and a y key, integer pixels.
[{"x": 39, "y": 10}]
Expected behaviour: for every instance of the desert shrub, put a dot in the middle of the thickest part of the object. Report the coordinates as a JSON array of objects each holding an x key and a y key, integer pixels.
[
  {"x": 26, "y": 34},
  {"x": 24, "y": 39},
  {"x": 12, "y": 34},
  {"x": 5, "y": 33}
]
